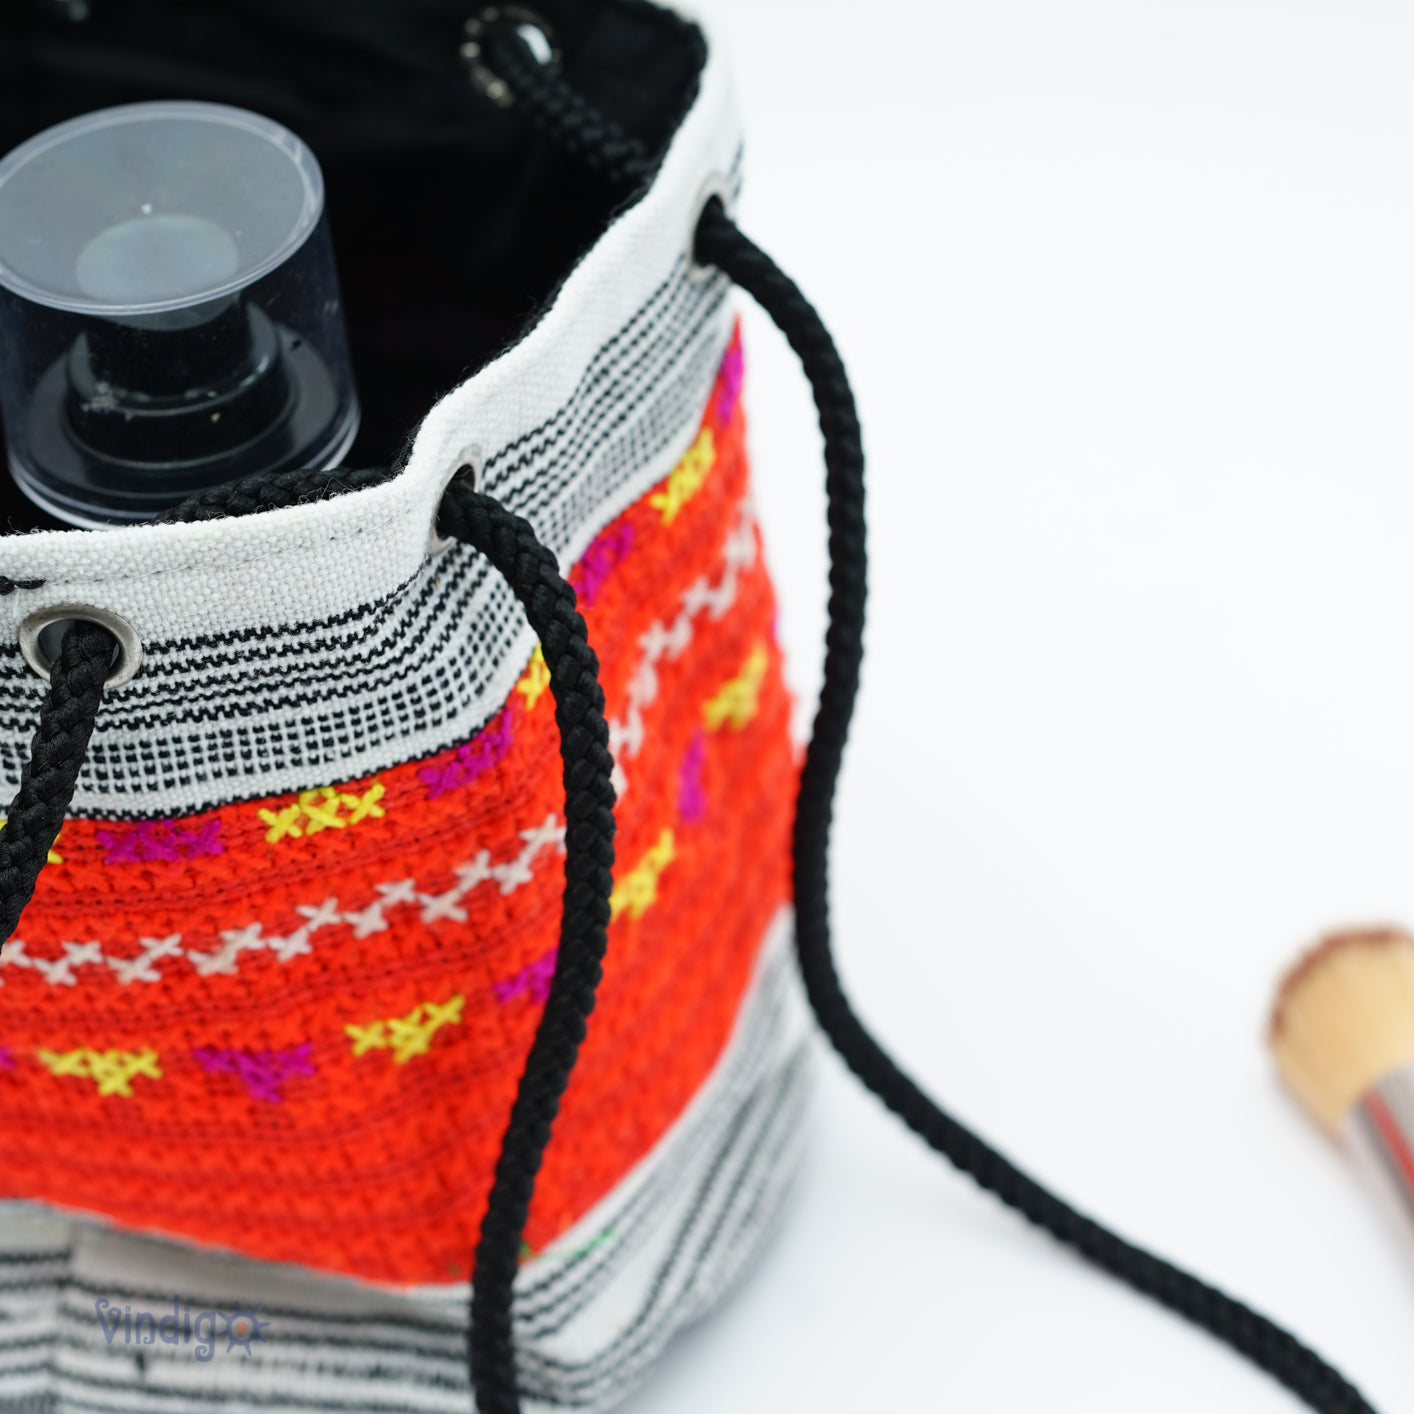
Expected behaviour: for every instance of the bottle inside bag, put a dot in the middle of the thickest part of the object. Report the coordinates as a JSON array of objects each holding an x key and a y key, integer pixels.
[{"x": 169, "y": 310}]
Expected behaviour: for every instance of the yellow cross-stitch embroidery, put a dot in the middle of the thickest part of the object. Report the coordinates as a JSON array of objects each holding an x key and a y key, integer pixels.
[
  {"x": 367, "y": 1038},
  {"x": 112, "y": 1071},
  {"x": 54, "y": 857},
  {"x": 637, "y": 891},
  {"x": 407, "y": 1036},
  {"x": 282, "y": 823},
  {"x": 535, "y": 679},
  {"x": 316, "y": 810},
  {"x": 686, "y": 478},
  {"x": 365, "y": 806},
  {"x": 321, "y": 810},
  {"x": 737, "y": 701}
]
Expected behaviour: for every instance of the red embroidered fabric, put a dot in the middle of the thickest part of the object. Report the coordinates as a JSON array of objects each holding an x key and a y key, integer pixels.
[{"x": 293, "y": 1027}]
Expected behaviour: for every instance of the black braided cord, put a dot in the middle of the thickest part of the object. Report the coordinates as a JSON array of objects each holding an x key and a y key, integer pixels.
[
  {"x": 532, "y": 572},
  {"x": 721, "y": 244},
  {"x": 563, "y": 115},
  {"x": 718, "y": 242},
  {"x": 273, "y": 491},
  {"x": 48, "y": 778},
  {"x": 509, "y": 542}
]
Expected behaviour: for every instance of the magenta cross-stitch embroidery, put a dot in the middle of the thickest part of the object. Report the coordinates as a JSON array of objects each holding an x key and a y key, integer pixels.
[
  {"x": 605, "y": 553},
  {"x": 692, "y": 798},
  {"x": 151, "y": 840},
  {"x": 533, "y": 980},
  {"x": 478, "y": 755},
  {"x": 731, "y": 384},
  {"x": 262, "y": 1072}
]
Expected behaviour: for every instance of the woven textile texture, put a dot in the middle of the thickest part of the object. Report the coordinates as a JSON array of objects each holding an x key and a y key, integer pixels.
[
  {"x": 593, "y": 1308},
  {"x": 326, "y": 997}
]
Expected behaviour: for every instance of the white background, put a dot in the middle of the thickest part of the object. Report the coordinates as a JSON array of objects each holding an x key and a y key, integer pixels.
[{"x": 1127, "y": 294}]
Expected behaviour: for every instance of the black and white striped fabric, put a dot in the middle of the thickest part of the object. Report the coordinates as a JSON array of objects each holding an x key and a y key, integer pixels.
[
  {"x": 82, "y": 1309},
  {"x": 327, "y": 641}
]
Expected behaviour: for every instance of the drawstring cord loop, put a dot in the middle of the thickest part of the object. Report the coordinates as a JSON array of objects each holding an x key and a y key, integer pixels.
[
  {"x": 56, "y": 754},
  {"x": 719, "y": 242},
  {"x": 510, "y": 543},
  {"x": 549, "y": 602}
]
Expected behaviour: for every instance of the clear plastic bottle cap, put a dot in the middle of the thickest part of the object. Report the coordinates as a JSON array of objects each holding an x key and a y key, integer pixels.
[
  {"x": 153, "y": 207},
  {"x": 167, "y": 281}
]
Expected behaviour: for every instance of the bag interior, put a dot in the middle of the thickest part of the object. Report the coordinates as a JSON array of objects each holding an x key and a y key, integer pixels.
[{"x": 453, "y": 220}]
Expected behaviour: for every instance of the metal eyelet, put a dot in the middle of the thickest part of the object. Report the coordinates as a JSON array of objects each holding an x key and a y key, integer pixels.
[
  {"x": 38, "y": 656},
  {"x": 537, "y": 32},
  {"x": 716, "y": 185},
  {"x": 468, "y": 458}
]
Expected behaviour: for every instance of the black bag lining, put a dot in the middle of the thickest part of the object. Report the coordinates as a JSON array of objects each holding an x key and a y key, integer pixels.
[{"x": 453, "y": 221}]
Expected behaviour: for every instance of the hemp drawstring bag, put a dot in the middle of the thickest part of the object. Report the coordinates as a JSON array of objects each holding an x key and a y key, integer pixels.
[{"x": 412, "y": 916}]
